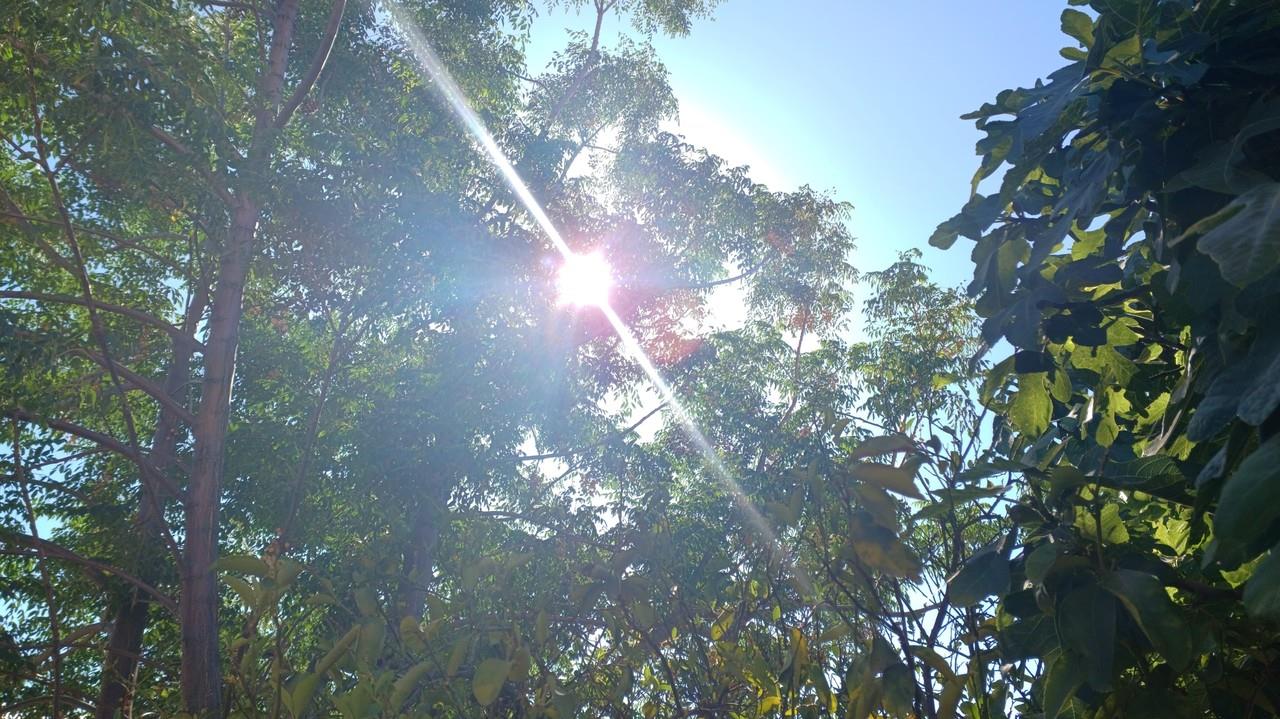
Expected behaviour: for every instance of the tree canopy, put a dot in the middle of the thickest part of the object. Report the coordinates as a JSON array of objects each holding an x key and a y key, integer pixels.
[{"x": 297, "y": 425}]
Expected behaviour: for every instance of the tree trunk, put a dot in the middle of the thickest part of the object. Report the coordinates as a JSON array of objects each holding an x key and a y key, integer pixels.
[
  {"x": 420, "y": 555},
  {"x": 124, "y": 646},
  {"x": 198, "y": 605}
]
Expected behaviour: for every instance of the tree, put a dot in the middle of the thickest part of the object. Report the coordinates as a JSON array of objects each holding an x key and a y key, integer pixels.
[
  {"x": 1128, "y": 257},
  {"x": 183, "y": 176}
]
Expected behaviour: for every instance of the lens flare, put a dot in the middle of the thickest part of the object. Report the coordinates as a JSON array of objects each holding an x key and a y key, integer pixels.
[
  {"x": 444, "y": 83},
  {"x": 585, "y": 280}
]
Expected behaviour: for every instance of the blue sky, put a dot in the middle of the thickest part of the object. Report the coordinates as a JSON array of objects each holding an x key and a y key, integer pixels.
[{"x": 858, "y": 98}]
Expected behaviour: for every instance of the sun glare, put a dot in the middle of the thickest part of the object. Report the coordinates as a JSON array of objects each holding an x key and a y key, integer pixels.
[{"x": 585, "y": 280}]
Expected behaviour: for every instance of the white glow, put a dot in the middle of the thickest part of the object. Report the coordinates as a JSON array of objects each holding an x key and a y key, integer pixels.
[
  {"x": 588, "y": 277},
  {"x": 584, "y": 280}
]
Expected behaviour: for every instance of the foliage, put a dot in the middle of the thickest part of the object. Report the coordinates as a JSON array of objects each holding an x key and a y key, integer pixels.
[
  {"x": 294, "y": 425},
  {"x": 1128, "y": 256}
]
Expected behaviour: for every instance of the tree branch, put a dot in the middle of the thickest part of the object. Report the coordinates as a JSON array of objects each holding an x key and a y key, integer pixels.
[
  {"x": 59, "y": 552},
  {"x": 317, "y": 64},
  {"x": 176, "y": 333}
]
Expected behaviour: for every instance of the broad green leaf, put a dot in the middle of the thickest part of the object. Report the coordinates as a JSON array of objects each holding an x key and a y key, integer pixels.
[
  {"x": 1147, "y": 602},
  {"x": 876, "y": 446},
  {"x": 1111, "y": 530},
  {"x": 299, "y": 697},
  {"x": 1040, "y": 561},
  {"x": 456, "y": 657},
  {"x": 1031, "y": 408},
  {"x": 722, "y": 624},
  {"x": 405, "y": 685},
  {"x": 243, "y": 564},
  {"x": 1061, "y": 681},
  {"x": 895, "y": 479},
  {"x": 1262, "y": 593},
  {"x": 1243, "y": 237},
  {"x": 1078, "y": 25},
  {"x": 985, "y": 574},
  {"x": 1086, "y": 623},
  {"x": 949, "y": 700},
  {"x": 246, "y": 591},
  {"x": 1250, "y": 501},
  {"x": 898, "y": 689},
  {"x": 489, "y": 677},
  {"x": 935, "y": 662}
]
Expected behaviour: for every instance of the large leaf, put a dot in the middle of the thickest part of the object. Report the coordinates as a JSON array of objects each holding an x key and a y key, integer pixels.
[
  {"x": 1262, "y": 593},
  {"x": 899, "y": 479},
  {"x": 1061, "y": 681},
  {"x": 1086, "y": 622},
  {"x": 1147, "y": 602},
  {"x": 487, "y": 682},
  {"x": 1243, "y": 237},
  {"x": 985, "y": 574},
  {"x": 1249, "y": 503}
]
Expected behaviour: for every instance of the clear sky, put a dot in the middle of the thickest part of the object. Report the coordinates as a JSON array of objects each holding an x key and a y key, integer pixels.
[{"x": 856, "y": 97}]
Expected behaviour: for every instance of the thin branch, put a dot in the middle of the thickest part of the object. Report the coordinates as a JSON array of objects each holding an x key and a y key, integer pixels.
[
  {"x": 57, "y": 551},
  {"x": 105, "y": 441},
  {"x": 317, "y": 64},
  {"x": 55, "y": 626},
  {"x": 725, "y": 281},
  {"x": 569, "y": 453},
  {"x": 137, "y": 381},
  {"x": 179, "y": 337},
  {"x": 11, "y": 209}
]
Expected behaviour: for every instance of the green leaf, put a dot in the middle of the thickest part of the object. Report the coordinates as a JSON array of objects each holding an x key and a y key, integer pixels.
[
  {"x": 985, "y": 574},
  {"x": 248, "y": 595},
  {"x": 1249, "y": 503},
  {"x": 895, "y": 479},
  {"x": 1262, "y": 593},
  {"x": 1079, "y": 26},
  {"x": 1064, "y": 677},
  {"x": 1147, "y": 602},
  {"x": 1086, "y": 623},
  {"x": 1031, "y": 407},
  {"x": 1110, "y": 531},
  {"x": 876, "y": 446},
  {"x": 898, "y": 688},
  {"x": 949, "y": 700},
  {"x": 405, "y": 685},
  {"x": 487, "y": 682},
  {"x": 1243, "y": 237},
  {"x": 722, "y": 624},
  {"x": 1040, "y": 561},
  {"x": 299, "y": 697},
  {"x": 243, "y": 564}
]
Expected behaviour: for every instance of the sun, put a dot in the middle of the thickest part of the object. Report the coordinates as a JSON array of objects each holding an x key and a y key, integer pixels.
[{"x": 584, "y": 280}]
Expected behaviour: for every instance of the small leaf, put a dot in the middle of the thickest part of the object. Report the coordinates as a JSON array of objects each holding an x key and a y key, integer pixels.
[{"x": 490, "y": 675}]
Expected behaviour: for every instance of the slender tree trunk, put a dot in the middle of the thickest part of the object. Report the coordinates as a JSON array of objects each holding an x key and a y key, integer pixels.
[
  {"x": 420, "y": 556},
  {"x": 198, "y": 605},
  {"x": 124, "y": 646}
]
